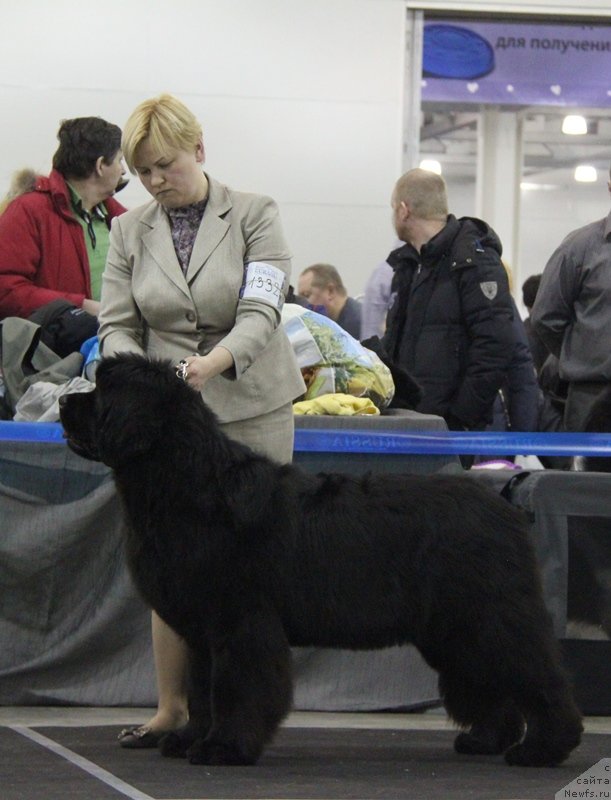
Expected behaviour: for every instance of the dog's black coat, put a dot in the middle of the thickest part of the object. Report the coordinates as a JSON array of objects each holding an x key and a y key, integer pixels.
[{"x": 243, "y": 558}]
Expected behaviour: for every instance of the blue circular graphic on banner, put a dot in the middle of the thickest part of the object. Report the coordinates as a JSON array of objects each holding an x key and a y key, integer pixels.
[{"x": 450, "y": 51}]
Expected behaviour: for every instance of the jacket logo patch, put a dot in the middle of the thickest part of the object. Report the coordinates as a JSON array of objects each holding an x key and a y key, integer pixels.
[{"x": 489, "y": 288}]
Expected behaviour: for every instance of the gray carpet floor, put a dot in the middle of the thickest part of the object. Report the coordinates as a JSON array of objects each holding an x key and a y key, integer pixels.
[{"x": 301, "y": 764}]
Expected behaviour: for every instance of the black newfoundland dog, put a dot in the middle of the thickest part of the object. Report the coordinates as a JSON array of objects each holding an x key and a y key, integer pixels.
[{"x": 244, "y": 558}]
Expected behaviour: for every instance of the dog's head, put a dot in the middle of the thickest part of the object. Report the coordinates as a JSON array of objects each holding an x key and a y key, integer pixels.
[{"x": 134, "y": 402}]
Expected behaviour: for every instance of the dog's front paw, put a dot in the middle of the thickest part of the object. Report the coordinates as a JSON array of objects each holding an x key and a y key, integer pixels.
[
  {"x": 208, "y": 751},
  {"x": 176, "y": 743}
]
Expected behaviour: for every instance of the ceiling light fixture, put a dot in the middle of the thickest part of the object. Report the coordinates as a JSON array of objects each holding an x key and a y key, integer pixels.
[
  {"x": 574, "y": 125},
  {"x": 585, "y": 173},
  {"x": 431, "y": 165}
]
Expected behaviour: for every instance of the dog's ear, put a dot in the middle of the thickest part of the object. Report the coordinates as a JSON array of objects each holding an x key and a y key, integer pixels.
[
  {"x": 129, "y": 391},
  {"x": 125, "y": 431},
  {"x": 248, "y": 491}
]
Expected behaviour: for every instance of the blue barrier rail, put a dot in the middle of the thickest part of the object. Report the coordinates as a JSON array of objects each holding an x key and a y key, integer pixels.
[
  {"x": 328, "y": 440},
  {"x": 451, "y": 442},
  {"x": 31, "y": 432}
]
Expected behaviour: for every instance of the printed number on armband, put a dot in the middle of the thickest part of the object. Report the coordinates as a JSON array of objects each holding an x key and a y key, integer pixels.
[{"x": 263, "y": 282}]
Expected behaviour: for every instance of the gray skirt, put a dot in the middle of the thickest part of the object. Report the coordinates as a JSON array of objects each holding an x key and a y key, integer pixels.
[{"x": 271, "y": 434}]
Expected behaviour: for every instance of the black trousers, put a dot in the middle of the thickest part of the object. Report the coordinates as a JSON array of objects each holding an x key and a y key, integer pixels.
[{"x": 581, "y": 397}]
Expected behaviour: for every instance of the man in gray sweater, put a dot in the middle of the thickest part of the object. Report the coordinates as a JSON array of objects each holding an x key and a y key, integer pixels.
[{"x": 572, "y": 314}]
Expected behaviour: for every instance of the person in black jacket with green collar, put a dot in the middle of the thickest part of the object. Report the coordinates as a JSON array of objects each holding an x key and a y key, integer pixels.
[{"x": 450, "y": 320}]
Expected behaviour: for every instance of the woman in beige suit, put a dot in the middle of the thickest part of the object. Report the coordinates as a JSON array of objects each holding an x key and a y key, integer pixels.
[{"x": 198, "y": 275}]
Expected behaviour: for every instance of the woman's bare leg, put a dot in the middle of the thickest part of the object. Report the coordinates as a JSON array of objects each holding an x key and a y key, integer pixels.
[{"x": 170, "y": 654}]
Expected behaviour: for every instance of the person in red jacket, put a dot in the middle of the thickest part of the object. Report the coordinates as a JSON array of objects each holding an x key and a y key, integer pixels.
[{"x": 54, "y": 236}]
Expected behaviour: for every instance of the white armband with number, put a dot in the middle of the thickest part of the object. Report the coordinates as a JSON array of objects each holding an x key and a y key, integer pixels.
[{"x": 263, "y": 282}]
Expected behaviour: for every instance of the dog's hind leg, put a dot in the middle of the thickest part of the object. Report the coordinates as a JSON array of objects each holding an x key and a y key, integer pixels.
[
  {"x": 538, "y": 685},
  {"x": 553, "y": 726},
  {"x": 505, "y": 672},
  {"x": 251, "y": 690},
  {"x": 496, "y": 703},
  {"x": 475, "y": 704}
]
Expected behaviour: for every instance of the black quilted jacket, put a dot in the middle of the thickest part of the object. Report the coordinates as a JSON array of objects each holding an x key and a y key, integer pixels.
[{"x": 450, "y": 322}]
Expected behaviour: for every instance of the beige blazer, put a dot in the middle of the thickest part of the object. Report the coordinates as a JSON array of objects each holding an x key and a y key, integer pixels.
[{"x": 149, "y": 306}]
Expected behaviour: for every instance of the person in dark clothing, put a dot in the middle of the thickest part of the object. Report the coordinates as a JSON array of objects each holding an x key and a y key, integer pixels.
[
  {"x": 553, "y": 388},
  {"x": 322, "y": 286},
  {"x": 518, "y": 401},
  {"x": 572, "y": 313},
  {"x": 519, "y": 398},
  {"x": 450, "y": 325},
  {"x": 538, "y": 348}
]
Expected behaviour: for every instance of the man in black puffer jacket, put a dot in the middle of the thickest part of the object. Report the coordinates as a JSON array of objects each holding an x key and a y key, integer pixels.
[{"x": 449, "y": 324}]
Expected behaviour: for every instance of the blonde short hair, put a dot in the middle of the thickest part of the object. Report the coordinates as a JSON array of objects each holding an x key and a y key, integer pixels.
[
  {"x": 425, "y": 192},
  {"x": 166, "y": 122}
]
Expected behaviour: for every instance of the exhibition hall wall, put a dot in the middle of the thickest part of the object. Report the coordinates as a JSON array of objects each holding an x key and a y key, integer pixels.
[{"x": 299, "y": 100}]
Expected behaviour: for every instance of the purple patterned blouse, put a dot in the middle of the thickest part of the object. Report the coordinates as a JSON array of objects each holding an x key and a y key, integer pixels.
[{"x": 184, "y": 223}]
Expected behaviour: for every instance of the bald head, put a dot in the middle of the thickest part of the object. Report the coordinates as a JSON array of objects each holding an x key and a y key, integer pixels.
[{"x": 425, "y": 192}]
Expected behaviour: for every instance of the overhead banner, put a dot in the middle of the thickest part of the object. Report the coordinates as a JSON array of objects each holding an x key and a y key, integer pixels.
[{"x": 516, "y": 63}]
